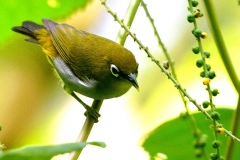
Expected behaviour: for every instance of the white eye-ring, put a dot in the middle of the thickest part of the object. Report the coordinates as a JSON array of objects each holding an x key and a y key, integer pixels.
[{"x": 114, "y": 70}]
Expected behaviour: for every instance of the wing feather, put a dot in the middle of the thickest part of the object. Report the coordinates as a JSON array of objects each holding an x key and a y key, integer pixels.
[{"x": 63, "y": 37}]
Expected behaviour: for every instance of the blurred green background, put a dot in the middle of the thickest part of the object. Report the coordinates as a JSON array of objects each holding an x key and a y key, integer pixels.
[{"x": 35, "y": 110}]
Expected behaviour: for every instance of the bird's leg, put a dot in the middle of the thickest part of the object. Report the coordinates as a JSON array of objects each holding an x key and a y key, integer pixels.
[{"x": 90, "y": 111}]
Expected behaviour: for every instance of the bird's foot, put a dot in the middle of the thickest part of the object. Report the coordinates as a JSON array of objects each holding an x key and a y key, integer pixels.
[{"x": 92, "y": 112}]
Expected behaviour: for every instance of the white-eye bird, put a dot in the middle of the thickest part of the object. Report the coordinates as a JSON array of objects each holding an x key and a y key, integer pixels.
[{"x": 87, "y": 64}]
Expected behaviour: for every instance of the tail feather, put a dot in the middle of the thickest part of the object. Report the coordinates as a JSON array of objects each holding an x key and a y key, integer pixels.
[{"x": 27, "y": 29}]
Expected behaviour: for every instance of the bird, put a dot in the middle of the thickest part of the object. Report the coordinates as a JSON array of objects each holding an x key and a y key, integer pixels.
[{"x": 86, "y": 63}]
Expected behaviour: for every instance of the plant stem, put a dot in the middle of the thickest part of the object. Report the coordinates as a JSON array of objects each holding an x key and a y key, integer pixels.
[
  {"x": 128, "y": 19},
  {"x": 121, "y": 39},
  {"x": 222, "y": 49},
  {"x": 234, "y": 129},
  {"x": 169, "y": 75},
  {"x": 216, "y": 32},
  {"x": 214, "y": 121},
  {"x": 196, "y": 132},
  {"x": 86, "y": 129}
]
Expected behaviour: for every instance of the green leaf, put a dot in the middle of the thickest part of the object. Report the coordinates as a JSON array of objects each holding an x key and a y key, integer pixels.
[
  {"x": 44, "y": 152},
  {"x": 175, "y": 137},
  {"x": 14, "y": 12}
]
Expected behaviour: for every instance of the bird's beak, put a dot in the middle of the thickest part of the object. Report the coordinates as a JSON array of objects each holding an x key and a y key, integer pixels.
[{"x": 132, "y": 78}]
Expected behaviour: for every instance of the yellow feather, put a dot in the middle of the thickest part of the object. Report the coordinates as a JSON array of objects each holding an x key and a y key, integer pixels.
[{"x": 45, "y": 41}]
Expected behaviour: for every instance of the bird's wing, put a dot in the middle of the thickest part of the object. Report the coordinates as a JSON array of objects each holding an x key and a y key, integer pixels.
[{"x": 62, "y": 36}]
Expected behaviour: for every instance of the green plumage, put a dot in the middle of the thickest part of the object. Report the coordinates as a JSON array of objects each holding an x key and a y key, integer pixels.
[{"x": 84, "y": 61}]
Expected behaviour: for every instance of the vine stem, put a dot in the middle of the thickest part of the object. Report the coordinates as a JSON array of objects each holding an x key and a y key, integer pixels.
[{"x": 169, "y": 75}]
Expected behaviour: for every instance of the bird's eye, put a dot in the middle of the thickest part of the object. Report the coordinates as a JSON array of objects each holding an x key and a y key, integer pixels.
[{"x": 114, "y": 70}]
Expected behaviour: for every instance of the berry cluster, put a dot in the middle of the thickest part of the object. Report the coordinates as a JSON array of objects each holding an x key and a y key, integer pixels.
[{"x": 207, "y": 74}]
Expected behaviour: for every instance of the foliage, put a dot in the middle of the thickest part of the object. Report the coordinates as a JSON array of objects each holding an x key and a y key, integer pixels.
[
  {"x": 35, "y": 11},
  {"x": 180, "y": 138},
  {"x": 173, "y": 138},
  {"x": 45, "y": 152}
]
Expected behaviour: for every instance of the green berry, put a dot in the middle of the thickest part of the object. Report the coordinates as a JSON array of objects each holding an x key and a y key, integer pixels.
[
  {"x": 207, "y": 54},
  {"x": 193, "y": 31},
  {"x": 198, "y": 153},
  {"x": 202, "y": 140},
  {"x": 183, "y": 115},
  {"x": 195, "y": 49},
  {"x": 194, "y": 3},
  {"x": 191, "y": 18},
  {"x": 216, "y": 144},
  {"x": 215, "y": 115},
  {"x": 195, "y": 144},
  {"x": 205, "y": 104},
  {"x": 197, "y": 33},
  {"x": 208, "y": 67},
  {"x": 215, "y": 92},
  {"x": 202, "y": 74},
  {"x": 196, "y": 133},
  {"x": 214, "y": 156},
  {"x": 199, "y": 63},
  {"x": 211, "y": 74}
]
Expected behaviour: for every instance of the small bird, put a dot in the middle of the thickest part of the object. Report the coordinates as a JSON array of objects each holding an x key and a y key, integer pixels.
[{"x": 88, "y": 64}]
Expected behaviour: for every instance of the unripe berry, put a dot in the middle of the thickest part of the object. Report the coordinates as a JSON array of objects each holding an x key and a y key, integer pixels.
[
  {"x": 197, "y": 33},
  {"x": 205, "y": 104},
  {"x": 214, "y": 156},
  {"x": 215, "y": 115},
  {"x": 216, "y": 144},
  {"x": 202, "y": 74},
  {"x": 208, "y": 67},
  {"x": 211, "y": 74},
  {"x": 199, "y": 63},
  {"x": 198, "y": 153},
  {"x": 195, "y": 49},
  {"x": 191, "y": 18},
  {"x": 207, "y": 54},
  {"x": 194, "y": 3},
  {"x": 215, "y": 92}
]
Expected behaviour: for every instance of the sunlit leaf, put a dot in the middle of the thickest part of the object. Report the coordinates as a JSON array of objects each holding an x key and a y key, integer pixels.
[
  {"x": 175, "y": 137},
  {"x": 45, "y": 152},
  {"x": 14, "y": 12}
]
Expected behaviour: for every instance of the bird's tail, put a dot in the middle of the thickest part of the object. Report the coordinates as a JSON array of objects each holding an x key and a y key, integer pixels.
[{"x": 28, "y": 29}]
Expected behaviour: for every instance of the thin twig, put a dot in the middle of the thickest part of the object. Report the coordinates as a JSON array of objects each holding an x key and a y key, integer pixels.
[
  {"x": 169, "y": 75},
  {"x": 192, "y": 120}
]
